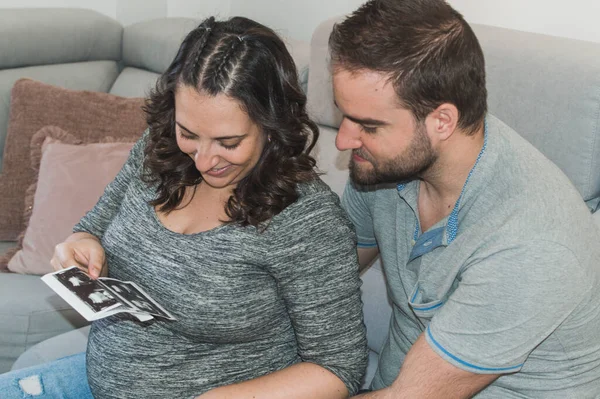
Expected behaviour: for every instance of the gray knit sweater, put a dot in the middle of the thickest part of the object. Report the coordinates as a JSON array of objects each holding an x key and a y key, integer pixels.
[{"x": 246, "y": 303}]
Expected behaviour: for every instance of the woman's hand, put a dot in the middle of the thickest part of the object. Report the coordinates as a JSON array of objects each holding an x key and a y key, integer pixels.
[{"x": 82, "y": 250}]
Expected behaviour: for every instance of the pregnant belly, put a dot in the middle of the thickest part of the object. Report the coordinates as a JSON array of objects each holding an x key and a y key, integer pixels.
[{"x": 125, "y": 360}]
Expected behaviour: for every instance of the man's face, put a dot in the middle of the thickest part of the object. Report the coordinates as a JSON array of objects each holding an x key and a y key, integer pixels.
[{"x": 388, "y": 145}]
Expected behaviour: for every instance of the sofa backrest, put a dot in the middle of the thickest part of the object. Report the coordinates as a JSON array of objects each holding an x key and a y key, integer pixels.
[
  {"x": 148, "y": 49},
  {"x": 72, "y": 48},
  {"x": 150, "y": 46},
  {"x": 546, "y": 88}
]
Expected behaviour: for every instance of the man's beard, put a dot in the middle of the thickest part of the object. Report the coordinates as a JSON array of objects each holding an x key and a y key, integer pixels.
[{"x": 411, "y": 163}]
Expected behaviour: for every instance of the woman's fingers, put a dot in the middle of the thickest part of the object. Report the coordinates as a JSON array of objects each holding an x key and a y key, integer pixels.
[
  {"x": 96, "y": 263},
  {"x": 88, "y": 255},
  {"x": 63, "y": 257}
]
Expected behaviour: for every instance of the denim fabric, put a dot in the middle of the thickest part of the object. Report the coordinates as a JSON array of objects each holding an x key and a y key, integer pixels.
[{"x": 63, "y": 378}]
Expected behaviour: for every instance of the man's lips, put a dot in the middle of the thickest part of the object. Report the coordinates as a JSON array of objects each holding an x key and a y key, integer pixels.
[{"x": 358, "y": 158}]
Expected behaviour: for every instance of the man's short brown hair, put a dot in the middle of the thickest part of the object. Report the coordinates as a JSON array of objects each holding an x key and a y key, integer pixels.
[{"x": 427, "y": 49}]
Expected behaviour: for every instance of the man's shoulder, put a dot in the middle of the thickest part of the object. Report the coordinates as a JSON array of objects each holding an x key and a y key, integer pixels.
[{"x": 381, "y": 194}]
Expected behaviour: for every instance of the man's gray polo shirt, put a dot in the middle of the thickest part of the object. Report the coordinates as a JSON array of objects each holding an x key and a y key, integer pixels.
[{"x": 516, "y": 291}]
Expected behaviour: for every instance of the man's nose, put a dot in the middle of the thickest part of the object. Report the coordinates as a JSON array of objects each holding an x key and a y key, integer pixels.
[{"x": 348, "y": 136}]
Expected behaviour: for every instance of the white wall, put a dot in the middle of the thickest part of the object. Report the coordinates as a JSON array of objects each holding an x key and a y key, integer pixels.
[
  {"x": 293, "y": 18},
  {"x": 132, "y": 11},
  {"x": 577, "y": 19},
  {"x": 298, "y": 18},
  {"x": 106, "y": 7},
  {"x": 198, "y": 9}
]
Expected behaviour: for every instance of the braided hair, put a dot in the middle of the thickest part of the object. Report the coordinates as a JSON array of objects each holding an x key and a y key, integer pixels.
[{"x": 249, "y": 63}]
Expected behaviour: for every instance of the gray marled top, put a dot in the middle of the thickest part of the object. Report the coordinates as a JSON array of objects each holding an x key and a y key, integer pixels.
[{"x": 246, "y": 303}]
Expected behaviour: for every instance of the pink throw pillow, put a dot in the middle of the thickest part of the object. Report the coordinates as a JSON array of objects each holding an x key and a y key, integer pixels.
[{"x": 71, "y": 179}]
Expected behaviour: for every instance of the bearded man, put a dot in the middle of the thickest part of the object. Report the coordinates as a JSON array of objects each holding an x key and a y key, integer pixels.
[{"x": 492, "y": 294}]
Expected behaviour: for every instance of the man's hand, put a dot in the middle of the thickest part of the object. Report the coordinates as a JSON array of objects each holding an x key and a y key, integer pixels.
[{"x": 425, "y": 375}]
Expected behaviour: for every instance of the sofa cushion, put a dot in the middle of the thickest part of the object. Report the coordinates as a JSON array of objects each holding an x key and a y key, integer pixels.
[
  {"x": 320, "y": 94},
  {"x": 376, "y": 306},
  {"x": 331, "y": 162},
  {"x": 93, "y": 75},
  {"x": 152, "y": 45},
  {"x": 30, "y": 312},
  {"x": 66, "y": 344},
  {"x": 89, "y": 115},
  {"x": 71, "y": 178},
  {"x": 547, "y": 88},
  {"x": 134, "y": 82}
]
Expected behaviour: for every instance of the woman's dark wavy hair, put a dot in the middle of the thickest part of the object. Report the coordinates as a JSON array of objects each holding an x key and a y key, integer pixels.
[{"x": 247, "y": 62}]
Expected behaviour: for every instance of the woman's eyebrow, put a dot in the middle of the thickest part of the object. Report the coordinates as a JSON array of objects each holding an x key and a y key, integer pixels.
[{"x": 185, "y": 128}]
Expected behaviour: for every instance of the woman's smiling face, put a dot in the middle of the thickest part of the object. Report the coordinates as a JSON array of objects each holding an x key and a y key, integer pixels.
[{"x": 218, "y": 135}]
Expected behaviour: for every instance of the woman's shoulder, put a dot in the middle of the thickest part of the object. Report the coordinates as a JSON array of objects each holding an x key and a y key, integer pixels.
[
  {"x": 316, "y": 193},
  {"x": 316, "y": 203}
]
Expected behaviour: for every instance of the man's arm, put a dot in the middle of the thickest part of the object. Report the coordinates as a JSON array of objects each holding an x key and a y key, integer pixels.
[
  {"x": 424, "y": 374},
  {"x": 366, "y": 256}
]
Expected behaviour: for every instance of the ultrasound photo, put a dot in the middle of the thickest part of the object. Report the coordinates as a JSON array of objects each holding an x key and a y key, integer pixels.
[
  {"x": 135, "y": 297},
  {"x": 91, "y": 292},
  {"x": 103, "y": 297}
]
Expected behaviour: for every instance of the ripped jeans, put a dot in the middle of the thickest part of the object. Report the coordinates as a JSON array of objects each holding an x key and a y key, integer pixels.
[{"x": 63, "y": 378}]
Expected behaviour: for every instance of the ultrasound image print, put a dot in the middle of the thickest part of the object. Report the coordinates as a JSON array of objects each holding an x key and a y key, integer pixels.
[
  {"x": 91, "y": 292},
  {"x": 134, "y": 296}
]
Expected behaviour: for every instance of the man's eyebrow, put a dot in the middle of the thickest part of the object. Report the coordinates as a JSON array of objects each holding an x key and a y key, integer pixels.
[
  {"x": 237, "y": 136},
  {"x": 362, "y": 121}
]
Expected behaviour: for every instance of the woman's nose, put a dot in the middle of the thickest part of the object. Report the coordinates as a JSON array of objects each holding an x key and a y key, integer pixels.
[{"x": 205, "y": 158}]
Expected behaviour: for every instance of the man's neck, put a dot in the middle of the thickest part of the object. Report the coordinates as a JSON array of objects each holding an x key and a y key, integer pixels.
[{"x": 442, "y": 184}]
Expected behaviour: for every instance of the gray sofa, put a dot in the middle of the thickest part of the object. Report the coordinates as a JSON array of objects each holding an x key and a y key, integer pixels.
[{"x": 546, "y": 88}]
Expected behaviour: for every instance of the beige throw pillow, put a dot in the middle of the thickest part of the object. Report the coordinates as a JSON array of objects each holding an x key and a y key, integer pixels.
[
  {"x": 71, "y": 179},
  {"x": 90, "y": 116}
]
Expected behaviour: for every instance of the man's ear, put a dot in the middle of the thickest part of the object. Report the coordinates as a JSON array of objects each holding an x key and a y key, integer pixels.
[{"x": 442, "y": 122}]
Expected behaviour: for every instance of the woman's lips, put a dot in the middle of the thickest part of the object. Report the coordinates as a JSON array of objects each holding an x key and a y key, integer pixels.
[{"x": 217, "y": 172}]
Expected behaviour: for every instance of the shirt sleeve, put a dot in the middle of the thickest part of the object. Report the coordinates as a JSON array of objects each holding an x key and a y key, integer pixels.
[
  {"x": 97, "y": 220},
  {"x": 356, "y": 204},
  {"x": 505, "y": 305},
  {"x": 316, "y": 268}
]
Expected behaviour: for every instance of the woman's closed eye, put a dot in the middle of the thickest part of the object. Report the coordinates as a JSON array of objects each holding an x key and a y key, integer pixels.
[
  {"x": 186, "y": 136},
  {"x": 230, "y": 144}
]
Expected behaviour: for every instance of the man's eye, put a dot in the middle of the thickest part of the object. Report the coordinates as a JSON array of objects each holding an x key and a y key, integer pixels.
[{"x": 368, "y": 129}]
